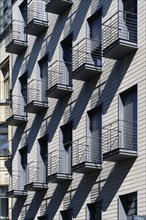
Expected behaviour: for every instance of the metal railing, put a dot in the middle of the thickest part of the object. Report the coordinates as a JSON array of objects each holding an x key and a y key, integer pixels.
[
  {"x": 60, "y": 73},
  {"x": 87, "y": 149},
  {"x": 16, "y": 107},
  {"x": 16, "y": 182},
  {"x": 35, "y": 172},
  {"x": 36, "y": 10},
  {"x": 36, "y": 90},
  {"x": 59, "y": 162},
  {"x": 16, "y": 32},
  {"x": 122, "y": 25},
  {"x": 119, "y": 134},
  {"x": 87, "y": 51}
]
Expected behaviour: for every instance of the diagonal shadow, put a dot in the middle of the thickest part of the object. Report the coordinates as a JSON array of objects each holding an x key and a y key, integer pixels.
[
  {"x": 113, "y": 182},
  {"x": 56, "y": 199},
  {"x": 17, "y": 208},
  {"x": 82, "y": 192}
]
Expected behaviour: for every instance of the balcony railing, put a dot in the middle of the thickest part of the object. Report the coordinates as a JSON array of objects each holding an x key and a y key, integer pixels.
[
  {"x": 15, "y": 114},
  {"x": 87, "y": 156},
  {"x": 36, "y": 98},
  {"x": 35, "y": 176},
  {"x": 120, "y": 34},
  {"x": 16, "y": 183},
  {"x": 16, "y": 40},
  {"x": 59, "y": 166},
  {"x": 37, "y": 17},
  {"x": 58, "y": 6},
  {"x": 87, "y": 61},
  {"x": 59, "y": 82},
  {"x": 119, "y": 140}
]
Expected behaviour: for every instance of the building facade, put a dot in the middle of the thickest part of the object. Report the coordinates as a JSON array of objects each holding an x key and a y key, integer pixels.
[{"x": 76, "y": 109}]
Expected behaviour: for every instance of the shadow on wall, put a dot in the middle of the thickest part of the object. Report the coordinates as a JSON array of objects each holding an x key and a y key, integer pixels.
[
  {"x": 35, "y": 129},
  {"x": 35, "y": 204},
  {"x": 82, "y": 192},
  {"x": 56, "y": 199},
  {"x": 115, "y": 78},
  {"x": 17, "y": 138},
  {"x": 113, "y": 182},
  {"x": 80, "y": 15},
  {"x": 82, "y": 101},
  {"x": 17, "y": 208},
  {"x": 56, "y": 117}
]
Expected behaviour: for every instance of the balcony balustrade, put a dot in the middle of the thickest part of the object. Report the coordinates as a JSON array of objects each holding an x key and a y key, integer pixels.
[
  {"x": 59, "y": 82},
  {"x": 59, "y": 167},
  {"x": 87, "y": 61},
  {"x": 87, "y": 156},
  {"x": 37, "y": 17},
  {"x": 119, "y": 141},
  {"x": 58, "y": 6},
  {"x": 15, "y": 184},
  {"x": 36, "y": 99},
  {"x": 35, "y": 176},
  {"x": 16, "y": 40},
  {"x": 15, "y": 114},
  {"x": 120, "y": 34}
]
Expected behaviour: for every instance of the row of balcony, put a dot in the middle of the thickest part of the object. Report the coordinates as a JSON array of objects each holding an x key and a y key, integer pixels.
[
  {"x": 119, "y": 33},
  {"x": 118, "y": 143}
]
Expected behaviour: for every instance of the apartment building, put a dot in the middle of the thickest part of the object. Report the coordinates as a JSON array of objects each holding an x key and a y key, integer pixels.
[{"x": 76, "y": 109}]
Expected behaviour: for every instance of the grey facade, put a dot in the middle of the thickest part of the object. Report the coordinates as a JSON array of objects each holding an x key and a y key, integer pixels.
[{"x": 76, "y": 109}]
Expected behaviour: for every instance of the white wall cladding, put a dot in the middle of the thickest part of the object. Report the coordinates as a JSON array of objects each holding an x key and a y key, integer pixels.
[{"x": 115, "y": 179}]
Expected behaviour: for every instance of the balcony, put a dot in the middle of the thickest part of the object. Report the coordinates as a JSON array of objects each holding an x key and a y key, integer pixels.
[
  {"x": 37, "y": 18},
  {"x": 86, "y": 156},
  {"x": 58, "y": 6},
  {"x": 119, "y": 141},
  {"x": 35, "y": 176},
  {"x": 59, "y": 167},
  {"x": 15, "y": 183},
  {"x": 87, "y": 61},
  {"x": 59, "y": 82},
  {"x": 15, "y": 114},
  {"x": 36, "y": 99},
  {"x": 16, "y": 40},
  {"x": 120, "y": 34}
]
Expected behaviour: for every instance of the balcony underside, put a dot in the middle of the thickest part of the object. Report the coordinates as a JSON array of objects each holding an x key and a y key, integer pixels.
[
  {"x": 16, "y": 194},
  {"x": 86, "y": 72},
  {"x": 58, "y": 91},
  {"x": 119, "y": 154},
  {"x": 36, "y": 27},
  {"x": 59, "y": 178},
  {"x": 35, "y": 186},
  {"x": 16, "y": 120},
  {"x": 36, "y": 106},
  {"x": 119, "y": 49},
  {"x": 86, "y": 167},
  {"x": 16, "y": 46},
  {"x": 58, "y": 6}
]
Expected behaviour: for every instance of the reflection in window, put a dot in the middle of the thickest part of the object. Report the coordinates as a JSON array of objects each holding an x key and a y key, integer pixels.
[{"x": 4, "y": 140}]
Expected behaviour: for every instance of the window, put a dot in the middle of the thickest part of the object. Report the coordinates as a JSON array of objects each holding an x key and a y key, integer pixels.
[
  {"x": 3, "y": 203},
  {"x": 43, "y": 142},
  {"x": 94, "y": 125},
  {"x": 5, "y": 84},
  {"x": 43, "y": 65},
  {"x": 65, "y": 147},
  {"x": 66, "y": 214},
  {"x": 23, "y": 82},
  {"x": 95, "y": 30},
  {"x": 66, "y": 45},
  {"x": 94, "y": 211},
  {"x": 23, "y": 154},
  {"x": 23, "y": 9},
  {"x": 128, "y": 206},
  {"x": 4, "y": 150},
  {"x": 128, "y": 118}
]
